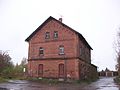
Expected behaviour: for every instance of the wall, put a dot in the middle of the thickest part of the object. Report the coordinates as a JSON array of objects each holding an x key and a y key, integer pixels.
[
  {"x": 77, "y": 66},
  {"x": 51, "y": 68},
  {"x": 51, "y": 58},
  {"x": 51, "y": 46}
]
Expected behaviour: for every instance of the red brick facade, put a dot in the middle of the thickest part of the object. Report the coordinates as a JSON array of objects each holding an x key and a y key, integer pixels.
[{"x": 68, "y": 55}]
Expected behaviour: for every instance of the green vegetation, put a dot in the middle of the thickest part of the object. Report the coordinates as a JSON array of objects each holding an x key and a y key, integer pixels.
[
  {"x": 87, "y": 81},
  {"x": 8, "y": 70},
  {"x": 57, "y": 81},
  {"x": 117, "y": 79},
  {"x": 45, "y": 80},
  {"x": 2, "y": 80}
]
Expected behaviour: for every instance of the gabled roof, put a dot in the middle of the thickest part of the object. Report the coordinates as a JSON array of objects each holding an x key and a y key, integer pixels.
[
  {"x": 107, "y": 69},
  {"x": 51, "y": 18}
]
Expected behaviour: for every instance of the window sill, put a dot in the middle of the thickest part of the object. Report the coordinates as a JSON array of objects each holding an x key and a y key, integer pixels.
[
  {"x": 61, "y": 53},
  {"x": 41, "y": 55}
]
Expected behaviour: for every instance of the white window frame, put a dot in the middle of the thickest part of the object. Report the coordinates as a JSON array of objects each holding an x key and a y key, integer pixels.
[
  {"x": 47, "y": 35},
  {"x": 55, "y": 34},
  {"x": 61, "y": 50}
]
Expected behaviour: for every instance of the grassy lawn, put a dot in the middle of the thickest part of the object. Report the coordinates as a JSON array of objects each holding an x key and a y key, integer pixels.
[
  {"x": 117, "y": 79},
  {"x": 57, "y": 81},
  {"x": 3, "y": 80}
]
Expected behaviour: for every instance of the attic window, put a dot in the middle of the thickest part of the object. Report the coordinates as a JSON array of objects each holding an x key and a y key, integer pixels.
[
  {"x": 55, "y": 34},
  {"x": 47, "y": 35}
]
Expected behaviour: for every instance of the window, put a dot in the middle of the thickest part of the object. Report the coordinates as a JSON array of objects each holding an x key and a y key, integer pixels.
[
  {"x": 55, "y": 34},
  {"x": 41, "y": 51},
  {"x": 61, "y": 50},
  {"x": 47, "y": 35}
]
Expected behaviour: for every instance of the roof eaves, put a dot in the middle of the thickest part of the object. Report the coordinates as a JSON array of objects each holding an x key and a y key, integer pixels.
[
  {"x": 80, "y": 35},
  {"x": 31, "y": 35},
  {"x": 84, "y": 40}
]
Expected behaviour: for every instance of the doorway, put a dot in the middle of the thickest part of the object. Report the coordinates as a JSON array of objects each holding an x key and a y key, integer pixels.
[
  {"x": 61, "y": 70},
  {"x": 40, "y": 70}
]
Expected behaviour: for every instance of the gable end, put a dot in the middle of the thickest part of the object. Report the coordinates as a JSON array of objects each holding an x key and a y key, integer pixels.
[{"x": 51, "y": 18}]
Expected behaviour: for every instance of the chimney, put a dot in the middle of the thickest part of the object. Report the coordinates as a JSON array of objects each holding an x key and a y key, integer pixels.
[{"x": 60, "y": 19}]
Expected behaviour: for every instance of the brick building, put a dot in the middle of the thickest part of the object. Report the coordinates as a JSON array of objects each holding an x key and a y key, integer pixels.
[
  {"x": 58, "y": 51},
  {"x": 108, "y": 73}
]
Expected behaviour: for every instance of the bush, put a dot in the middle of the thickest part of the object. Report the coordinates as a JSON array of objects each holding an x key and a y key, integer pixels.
[
  {"x": 117, "y": 79},
  {"x": 2, "y": 80},
  {"x": 44, "y": 80}
]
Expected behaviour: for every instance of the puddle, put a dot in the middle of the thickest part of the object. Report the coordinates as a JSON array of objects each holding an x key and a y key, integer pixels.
[{"x": 101, "y": 84}]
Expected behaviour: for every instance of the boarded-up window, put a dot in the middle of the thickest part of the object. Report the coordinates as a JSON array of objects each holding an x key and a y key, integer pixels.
[
  {"x": 61, "y": 70},
  {"x": 40, "y": 70}
]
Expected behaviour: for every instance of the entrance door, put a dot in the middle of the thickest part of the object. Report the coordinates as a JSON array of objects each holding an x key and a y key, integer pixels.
[
  {"x": 61, "y": 70},
  {"x": 40, "y": 70}
]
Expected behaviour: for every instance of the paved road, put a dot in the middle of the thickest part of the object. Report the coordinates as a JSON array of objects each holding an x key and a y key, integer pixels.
[{"x": 101, "y": 84}]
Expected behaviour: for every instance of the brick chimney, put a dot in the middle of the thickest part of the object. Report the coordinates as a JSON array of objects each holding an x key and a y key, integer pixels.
[{"x": 60, "y": 19}]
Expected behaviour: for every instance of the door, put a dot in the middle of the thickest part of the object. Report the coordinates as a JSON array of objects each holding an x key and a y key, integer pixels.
[
  {"x": 40, "y": 70},
  {"x": 61, "y": 70}
]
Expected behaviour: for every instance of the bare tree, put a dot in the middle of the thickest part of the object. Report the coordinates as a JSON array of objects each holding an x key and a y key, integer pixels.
[
  {"x": 24, "y": 62},
  {"x": 118, "y": 52}
]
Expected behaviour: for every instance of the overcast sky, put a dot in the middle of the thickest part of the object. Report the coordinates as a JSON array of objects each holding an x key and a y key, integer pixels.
[{"x": 97, "y": 20}]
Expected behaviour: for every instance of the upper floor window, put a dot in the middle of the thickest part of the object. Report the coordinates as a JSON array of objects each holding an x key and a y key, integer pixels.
[
  {"x": 61, "y": 50},
  {"x": 47, "y": 35},
  {"x": 55, "y": 34},
  {"x": 41, "y": 51}
]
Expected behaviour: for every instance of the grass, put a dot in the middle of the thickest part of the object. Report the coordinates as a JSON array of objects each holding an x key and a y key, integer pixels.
[
  {"x": 56, "y": 81},
  {"x": 88, "y": 81},
  {"x": 48, "y": 81},
  {"x": 117, "y": 79},
  {"x": 44, "y": 80},
  {"x": 3, "y": 80}
]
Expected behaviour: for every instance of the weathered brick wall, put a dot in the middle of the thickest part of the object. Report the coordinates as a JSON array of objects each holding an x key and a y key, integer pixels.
[
  {"x": 87, "y": 71},
  {"x": 76, "y": 68},
  {"x": 51, "y": 69},
  {"x": 85, "y": 52},
  {"x": 66, "y": 37}
]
